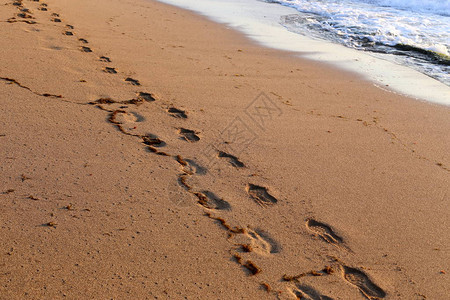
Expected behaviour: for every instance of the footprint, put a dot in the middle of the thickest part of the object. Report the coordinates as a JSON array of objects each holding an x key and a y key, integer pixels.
[
  {"x": 56, "y": 20},
  {"x": 324, "y": 231},
  {"x": 13, "y": 20},
  {"x": 234, "y": 161},
  {"x": 110, "y": 70},
  {"x": 69, "y": 26},
  {"x": 261, "y": 242},
  {"x": 128, "y": 118},
  {"x": 146, "y": 97},
  {"x": 177, "y": 113},
  {"x": 306, "y": 292},
  {"x": 260, "y": 195},
  {"x": 105, "y": 59},
  {"x": 24, "y": 15},
  {"x": 363, "y": 283},
  {"x": 188, "y": 135},
  {"x": 190, "y": 167},
  {"x": 42, "y": 8},
  {"x": 83, "y": 41},
  {"x": 153, "y": 140},
  {"x": 211, "y": 201},
  {"x": 86, "y": 49},
  {"x": 134, "y": 117},
  {"x": 132, "y": 81},
  {"x": 68, "y": 33},
  {"x": 195, "y": 168}
]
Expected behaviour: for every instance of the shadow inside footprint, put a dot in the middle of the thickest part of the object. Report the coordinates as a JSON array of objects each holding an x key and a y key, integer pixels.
[
  {"x": 188, "y": 135},
  {"x": 110, "y": 70},
  {"x": 260, "y": 195},
  {"x": 302, "y": 291},
  {"x": 234, "y": 161},
  {"x": 196, "y": 168},
  {"x": 132, "y": 81},
  {"x": 24, "y": 15},
  {"x": 146, "y": 97},
  {"x": 324, "y": 231},
  {"x": 211, "y": 201},
  {"x": 153, "y": 140},
  {"x": 83, "y": 41},
  {"x": 86, "y": 49},
  {"x": 177, "y": 113},
  {"x": 272, "y": 245},
  {"x": 363, "y": 283},
  {"x": 104, "y": 59},
  {"x": 137, "y": 117}
]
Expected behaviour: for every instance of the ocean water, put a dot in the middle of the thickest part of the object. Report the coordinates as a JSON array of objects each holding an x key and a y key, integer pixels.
[
  {"x": 410, "y": 62},
  {"x": 417, "y": 32}
]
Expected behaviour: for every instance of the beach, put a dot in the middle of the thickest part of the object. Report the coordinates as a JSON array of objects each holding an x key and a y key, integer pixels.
[{"x": 149, "y": 153}]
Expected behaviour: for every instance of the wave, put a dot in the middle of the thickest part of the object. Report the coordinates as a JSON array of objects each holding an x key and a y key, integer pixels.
[
  {"x": 439, "y": 7},
  {"x": 421, "y": 39}
]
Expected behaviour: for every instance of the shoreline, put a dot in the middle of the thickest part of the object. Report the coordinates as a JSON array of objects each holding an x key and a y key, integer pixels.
[
  {"x": 152, "y": 153},
  {"x": 260, "y": 22}
]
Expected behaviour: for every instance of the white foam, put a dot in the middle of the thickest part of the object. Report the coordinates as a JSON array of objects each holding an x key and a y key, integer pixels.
[
  {"x": 261, "y": 22},
  {"x": 383, "y": 24}
]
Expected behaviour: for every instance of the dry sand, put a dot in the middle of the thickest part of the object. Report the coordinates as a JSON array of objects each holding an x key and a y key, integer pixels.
[{"x": 230, "y": 172}]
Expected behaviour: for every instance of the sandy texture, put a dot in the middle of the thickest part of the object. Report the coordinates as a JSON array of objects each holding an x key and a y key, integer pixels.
[{"x": 149, "y": 153}]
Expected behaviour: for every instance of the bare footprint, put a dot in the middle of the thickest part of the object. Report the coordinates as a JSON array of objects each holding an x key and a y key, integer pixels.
[
  {"x": 188, "y": 135},
  {"x": 132, "y": 81},
  {"x": 153, "y": 140},
  {"x": 25, "y": 15},
  {"x": 190, "y": 167},
  {"x": 261, "y": 242},
  {"x": 13, "y": 20},
  {"x": 307, "y": 292},
  {"x": 86, "y": 49},
  {"x": 234, "y": 161},
  {"x": 324, "y": 231},
  {"x": 104, "y": 59},
  {"x": 359, "y": 279},
  {"x": 129, "y": 117},
  {"x": 146, "y": 97},
  {"x": 209, "y": 200},
  {"x": 195, "y": 168},
  {"x": 110, "y": 70},
  {"x": 177, "y": 113},
  {"x": 260, "y": 195}
]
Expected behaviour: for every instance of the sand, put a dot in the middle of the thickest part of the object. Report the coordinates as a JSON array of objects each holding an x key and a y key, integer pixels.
[{"x": 147, "y": 152}]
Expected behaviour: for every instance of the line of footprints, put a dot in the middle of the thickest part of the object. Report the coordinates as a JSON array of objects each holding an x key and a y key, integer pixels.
[{"x": 246, "y": 239}]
